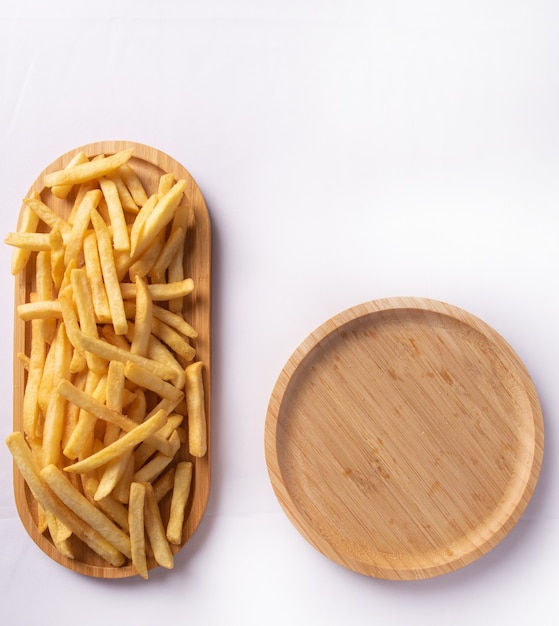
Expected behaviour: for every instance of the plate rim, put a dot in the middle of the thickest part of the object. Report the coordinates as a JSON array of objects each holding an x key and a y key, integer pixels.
[{"x": 296, "y": 361}]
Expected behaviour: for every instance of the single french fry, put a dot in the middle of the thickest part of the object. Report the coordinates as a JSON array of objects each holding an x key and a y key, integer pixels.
[
  {"x": 41, "y": 309},
  {"x": 136, "y": 508},
  {"x": 181, "y": 491},
  {"x": 133, "y": 183},
  {"x": 160, "y": 291},
  {"x": 166, "y": 182},
  {"x": 82, "y": 217},
  {"x": 54, "y": 417},
  {"x": 95, "y": 278},
  {"x": 171, "y": 248},
  {"x": 143, "y": 319},
  {"x": 121, "y": 239},
  {"x": 30, "y": 472},
  {"x": 57, "y": 251},
  {"x": 37, "y": 358},
  {"x": 70, "y": 317},
  {"x": 84, "y": 172},
  {"x": 32, "y": 242},
  {"x": 110, "y": 277},
  {"x": 195, "y": 402},
  {"x": 175, "y": 270},
  {"x": 60, "y": 534},
  {"x": 28, "y": 223},
  {"x": 120, "y": 446},
  {"x": 114, "y": 397},
  {"x": 156, "y": 531},
  {"x": 144, "y": 378},
  {"x": 163, "y": 485}
]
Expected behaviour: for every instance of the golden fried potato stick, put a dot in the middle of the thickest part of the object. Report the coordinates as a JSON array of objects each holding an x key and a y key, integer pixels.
[
  {"x": 57, "y": 250},
  {"x": 156, "y": 531},
  {"x": 39, "y": 310},
  {"x": 194, "y": 389},
  {"x": 36, "y": 363},
  {"x": 144, "y": 378},
  {"x": 30, "y": 242},
  {"x": 136, "y": 509},
  {"x": 90, "y": 170},
  {"x": 60, "y": 534},
  {"x": 143, "y": 317},
  {"x": 181, "y": 491},
  {"x": 28, "y": 223},
  {"x": 81, "y": 220},
  {"x": 121, "y": 238},
  {"x": 120, "y": 446},
  {"x": 115, "y": 397},
  {"x": 133, "y": 183},
  {"x": 163, "y": 485},
  {"x": 83, "y": 508},
  {"x": 95, "y": 278},
  {"x": 70, "y": 317},
  {"x": 53, "y": 428},
  {"x": 160, "y": 291},
  {"x": 46, "y": 498},
  {"x": 110, "y": 277}
]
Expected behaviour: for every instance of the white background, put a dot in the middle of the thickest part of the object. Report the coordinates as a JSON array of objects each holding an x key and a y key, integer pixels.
[{"x": 347, "y": 150}]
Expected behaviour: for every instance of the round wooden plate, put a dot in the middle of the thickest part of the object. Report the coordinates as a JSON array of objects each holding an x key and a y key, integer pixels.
[
  {"x": 149, "y": 164},
  {"x": 404, "y": 438}
]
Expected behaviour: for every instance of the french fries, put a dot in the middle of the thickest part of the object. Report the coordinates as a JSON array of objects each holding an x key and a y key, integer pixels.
[{"x": 114, "y": 406}]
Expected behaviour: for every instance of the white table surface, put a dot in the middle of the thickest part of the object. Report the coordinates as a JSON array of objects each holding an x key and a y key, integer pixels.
[{"x": 347, "y": 151}]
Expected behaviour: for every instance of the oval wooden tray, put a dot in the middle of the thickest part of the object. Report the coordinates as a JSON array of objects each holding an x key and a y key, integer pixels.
[
  {"x": 404, "y": 438},
  {"x": 149, "y": 164}
]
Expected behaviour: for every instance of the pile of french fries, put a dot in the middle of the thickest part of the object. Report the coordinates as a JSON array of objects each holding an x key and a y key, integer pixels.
[{"x": 113, "y": 386}]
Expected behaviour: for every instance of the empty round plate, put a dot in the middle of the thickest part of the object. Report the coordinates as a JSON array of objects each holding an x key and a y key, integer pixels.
[{"x": 404, "y": 438}]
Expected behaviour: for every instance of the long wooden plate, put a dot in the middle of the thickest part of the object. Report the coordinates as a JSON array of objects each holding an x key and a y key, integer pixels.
[
  {"x": 404, "y": 438},
  {"x": 149, "y": 163}
]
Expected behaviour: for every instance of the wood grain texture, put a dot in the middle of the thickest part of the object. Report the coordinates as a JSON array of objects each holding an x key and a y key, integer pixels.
[
  {"x": 149, "y": 164},
  {"x": 404, "y": 438}
]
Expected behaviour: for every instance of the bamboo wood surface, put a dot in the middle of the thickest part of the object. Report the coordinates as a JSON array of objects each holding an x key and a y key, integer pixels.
[
  {"x": 149, "y": 164},
  {"x": 404, "y": 438}
]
